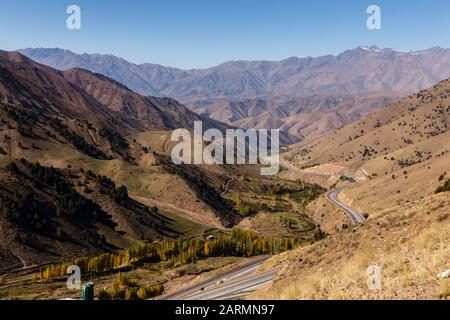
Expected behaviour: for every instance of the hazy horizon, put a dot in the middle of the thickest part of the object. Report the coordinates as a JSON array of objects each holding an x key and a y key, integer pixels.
[
  {"x": 204, "y": 34},
  {"x": 228, "y": 61}
]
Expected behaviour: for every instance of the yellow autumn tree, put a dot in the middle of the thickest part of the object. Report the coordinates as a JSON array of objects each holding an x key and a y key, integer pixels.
[{"x": 207, "y": 251}]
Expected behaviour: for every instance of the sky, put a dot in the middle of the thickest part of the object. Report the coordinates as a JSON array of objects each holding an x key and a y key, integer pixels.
[{"x": 203, "y": 33}]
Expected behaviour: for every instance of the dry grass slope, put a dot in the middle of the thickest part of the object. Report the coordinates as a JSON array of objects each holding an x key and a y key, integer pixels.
[{"x": 408, "y": 242}]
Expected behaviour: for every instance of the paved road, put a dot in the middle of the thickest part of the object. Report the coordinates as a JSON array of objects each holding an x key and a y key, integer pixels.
[
  {"x": 240, "y": 287},
  {"x": 243, "y": 280},
  {"x": 354, "y": 214},
  {"x": 235, "y": 283}
]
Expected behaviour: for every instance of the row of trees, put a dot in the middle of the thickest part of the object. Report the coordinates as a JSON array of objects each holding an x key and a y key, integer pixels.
[
  {"x": 25, "y": 121},
  {"x": 47, "y": 176},
  {"x": 247, "y": 244},
  {"x": 304, "y": 194},
  {"x": 107, "y": 186},
  {"x": 126, "y": 289},
  {"x": 89, "y": 265},
  {"x": 176, "y": 252},
  {"x": 68, "y": 203},
  {"x": 118, "y": 144},
  {"x": 28, "y": 208},
  {"x": 25, "y": 210},
  {"x": 245, "y": 208},
  {"x": 303, "y": 190}
]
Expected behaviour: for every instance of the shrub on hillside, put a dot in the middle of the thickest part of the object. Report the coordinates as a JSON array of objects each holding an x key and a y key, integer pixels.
[
  {"x": 444, "y": 188},
  {"x": 103, "y": 295}
]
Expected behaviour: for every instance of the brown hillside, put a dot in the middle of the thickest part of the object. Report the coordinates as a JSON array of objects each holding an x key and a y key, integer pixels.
[
  {"x": 405, "y": 149},
  {"x": 50, "y": 214},
  {"x": 307, "y": 116},
  {"x": 155, "y": 113},
  {"x": 411, "y": 131},
  {"x": 47, "y": 118}
]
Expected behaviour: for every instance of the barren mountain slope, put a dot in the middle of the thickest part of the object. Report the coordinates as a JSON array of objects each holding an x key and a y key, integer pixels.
[
  {"x": 411, "y": 131},
  {"x": 306, "y": 116},
  {"x": 155, "y": 113},
  {"x": 405, "y": 148},
  {"x": 39, "y": 104}
]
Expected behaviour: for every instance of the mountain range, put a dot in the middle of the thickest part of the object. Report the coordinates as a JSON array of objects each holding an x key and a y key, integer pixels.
[
  {"x": 364, "y": 69},
  {"x": 300, "y": 117},
  {"x": 301, "y": 96}
]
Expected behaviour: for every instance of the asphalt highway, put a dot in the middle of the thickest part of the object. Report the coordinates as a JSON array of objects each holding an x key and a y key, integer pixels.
[
  {"x": 354, "y": 214},
  {"x": 231, "y": 285}
]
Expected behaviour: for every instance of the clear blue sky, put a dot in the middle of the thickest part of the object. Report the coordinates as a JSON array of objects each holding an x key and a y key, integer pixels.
[{"x": 202, "y": 33}]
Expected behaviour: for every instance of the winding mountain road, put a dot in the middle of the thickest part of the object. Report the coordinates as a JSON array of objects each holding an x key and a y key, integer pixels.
[
  {"x": 354, "y": 214},
  {"x": 244, "y": 279},
  {"x": 332, "y": 195}
]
